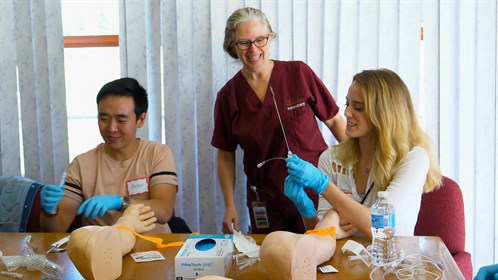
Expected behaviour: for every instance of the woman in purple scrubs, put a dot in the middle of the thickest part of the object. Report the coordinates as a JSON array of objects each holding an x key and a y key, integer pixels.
[{"x": 248, "y": 111}]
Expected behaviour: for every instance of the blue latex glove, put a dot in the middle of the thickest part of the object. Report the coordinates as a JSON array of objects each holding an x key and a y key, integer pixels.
[
  {"x": 307, "y": 174},
  {"x": 295, "y": 192},
  {"x": 487, "y": 272},
  {"x": 50, "y": 196},
  {"x": 99, "y": 204}
]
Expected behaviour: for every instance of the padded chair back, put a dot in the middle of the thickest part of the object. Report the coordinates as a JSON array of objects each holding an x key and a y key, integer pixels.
[
  {"x": 442, "y": 214},
  {"x": 17, "y": 195}
]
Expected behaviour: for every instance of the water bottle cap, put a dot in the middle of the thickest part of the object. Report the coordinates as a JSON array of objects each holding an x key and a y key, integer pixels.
[{"x": 383, "y": 194}]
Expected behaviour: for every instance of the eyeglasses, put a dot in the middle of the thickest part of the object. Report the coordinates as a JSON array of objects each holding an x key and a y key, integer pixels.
[{"x": 244, "y": 45}]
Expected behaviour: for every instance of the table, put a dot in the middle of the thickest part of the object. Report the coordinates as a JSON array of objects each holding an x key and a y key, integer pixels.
[
  {"x": 11, "y": 244},
  {"x": 431, "y": 246}
]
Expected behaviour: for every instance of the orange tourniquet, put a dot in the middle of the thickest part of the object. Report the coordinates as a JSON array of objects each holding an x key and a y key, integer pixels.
[
  {"x": 157, "y": 240},
  {"x": 323, "y": 232}
]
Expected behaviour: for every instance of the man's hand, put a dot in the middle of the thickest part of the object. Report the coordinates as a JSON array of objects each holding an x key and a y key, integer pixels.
[
  {"x": 50, "y": 196},
  {"x": 304, "y": 173},
  {"x": 295, "y": 192},
  {"x": 99, "y": 205}
]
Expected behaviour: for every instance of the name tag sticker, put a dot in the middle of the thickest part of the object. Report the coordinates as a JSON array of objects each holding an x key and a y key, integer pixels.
[
  {"x": 327, "y": 269},
  {"x": 137, "y": 186},
  {"x": 149, "y": 256}
]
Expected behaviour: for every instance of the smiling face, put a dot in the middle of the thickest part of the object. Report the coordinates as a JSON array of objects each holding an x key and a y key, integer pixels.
[
  {"x": 358, "y": 124},
  {"x": 118, "y": 124},
  {"x": 255, "y": 57}
]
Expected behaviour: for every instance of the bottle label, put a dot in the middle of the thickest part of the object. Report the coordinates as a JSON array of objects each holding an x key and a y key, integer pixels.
[
  {"x": 381, "y": 221},
  {"x": 392, "y": 222}
]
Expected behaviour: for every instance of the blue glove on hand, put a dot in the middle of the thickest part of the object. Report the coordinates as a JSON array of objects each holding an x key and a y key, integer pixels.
[
  {"x": 99, "y": 204},
  {"x": 305, "y": 173},
  {"x": 487, "y": 272},
  {"x": 295, "y": 192},
  {"x": 50, "y": 196}
]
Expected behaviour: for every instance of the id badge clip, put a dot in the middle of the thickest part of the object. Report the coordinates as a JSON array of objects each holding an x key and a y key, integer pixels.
[{"x": 260, "y": 211}]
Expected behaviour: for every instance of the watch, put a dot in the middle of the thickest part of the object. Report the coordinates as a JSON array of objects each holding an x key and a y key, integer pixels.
[{"x": 125, "y": 202}]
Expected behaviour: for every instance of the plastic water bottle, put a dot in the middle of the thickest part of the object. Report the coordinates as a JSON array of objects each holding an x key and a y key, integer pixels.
[{"x": 383, "y": 229}]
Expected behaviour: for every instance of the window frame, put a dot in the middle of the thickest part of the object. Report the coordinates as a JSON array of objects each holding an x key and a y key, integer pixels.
[{"x": 91, "y": 41}]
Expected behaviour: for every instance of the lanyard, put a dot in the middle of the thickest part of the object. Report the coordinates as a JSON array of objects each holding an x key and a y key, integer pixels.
[{"x": 365, "y": 197}]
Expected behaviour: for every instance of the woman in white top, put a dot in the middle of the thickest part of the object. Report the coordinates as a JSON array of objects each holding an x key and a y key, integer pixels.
[{"x": 385, "y": 150}]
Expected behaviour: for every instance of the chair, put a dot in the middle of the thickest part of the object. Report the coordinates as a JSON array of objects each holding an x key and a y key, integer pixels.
[
  {"x": 442, "y": 214},
  {"x": 178, "y": 225},
  {"x": 17, "y": 197}
]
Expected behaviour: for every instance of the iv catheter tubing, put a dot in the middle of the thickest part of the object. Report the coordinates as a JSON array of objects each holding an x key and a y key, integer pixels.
[
  {"x": 278, "y": 114},
  {"x": 270, "y": 159}
]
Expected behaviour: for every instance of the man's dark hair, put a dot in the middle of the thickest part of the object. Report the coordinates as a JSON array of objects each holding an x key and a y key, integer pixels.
[{"x": 126, "y": 87}]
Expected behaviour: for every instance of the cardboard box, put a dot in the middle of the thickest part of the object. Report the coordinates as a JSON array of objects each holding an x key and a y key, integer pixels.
[{"x": 203, "y": 255}]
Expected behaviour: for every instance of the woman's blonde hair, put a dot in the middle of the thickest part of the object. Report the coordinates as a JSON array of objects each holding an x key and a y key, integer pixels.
[
  {"x": 389, "y": 107},
  {"x": 240, "y": 16}
]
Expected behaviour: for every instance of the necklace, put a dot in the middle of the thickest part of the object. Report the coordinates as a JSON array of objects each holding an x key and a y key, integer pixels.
[{"x": 367, "y": 170}]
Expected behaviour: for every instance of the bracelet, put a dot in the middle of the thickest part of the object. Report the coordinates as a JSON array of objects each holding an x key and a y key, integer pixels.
[{"x": 50, "y": 215}]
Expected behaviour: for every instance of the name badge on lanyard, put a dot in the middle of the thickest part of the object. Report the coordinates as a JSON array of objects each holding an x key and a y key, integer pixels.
[{"x": 259, "y": 211}]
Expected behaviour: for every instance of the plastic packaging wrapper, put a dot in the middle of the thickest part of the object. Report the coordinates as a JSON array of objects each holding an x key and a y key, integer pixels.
[
  {"x": 12, "y": 274},
  {"x": 13, "y": 262},
  {"x": 361, "y": 253},
  {"x": 249, "y": 250},
  {"x": 48, "y": 267}
]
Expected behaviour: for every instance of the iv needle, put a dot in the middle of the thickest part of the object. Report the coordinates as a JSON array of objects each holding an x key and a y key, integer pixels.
[{"x": 281, "y": 124}]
